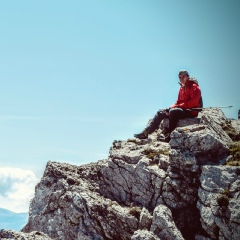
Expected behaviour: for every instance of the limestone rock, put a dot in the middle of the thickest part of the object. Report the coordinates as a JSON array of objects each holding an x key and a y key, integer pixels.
[
  {"x": 163, "y": 225},
  {"x": 202, "y": 141},
  {"x": 144, "y": 235},
  {"x": 182, "y": 123},
  {"x": 35, "y": 235},
  {"x": 201, "y": 237},
  {"x": 216, "y": 114},
  {"x": 219, "y": 201},
  {"x": 236, "y": 125},
  {"x": 140, "y": 183},
  {"x": 192, "y": 146},
  {"x": 65, "y": 208},
  {"x": 145, "y": 220},
  {"x": 146, "y": 189}
]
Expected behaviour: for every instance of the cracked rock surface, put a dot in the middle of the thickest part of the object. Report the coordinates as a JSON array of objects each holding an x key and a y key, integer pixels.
[
  {"x": 9, "y": 234},
  {"x": 146, "y": 189}
]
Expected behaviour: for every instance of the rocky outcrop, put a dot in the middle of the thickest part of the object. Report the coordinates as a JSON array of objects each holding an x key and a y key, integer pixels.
[
  {"x": 146, "y": 189},
  {"x": 219, "y": 201},
  {"x": 9, "y": 234}
]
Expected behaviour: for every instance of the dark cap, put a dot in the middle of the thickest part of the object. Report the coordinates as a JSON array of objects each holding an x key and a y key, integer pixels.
[{"x": 183, "y": 72}]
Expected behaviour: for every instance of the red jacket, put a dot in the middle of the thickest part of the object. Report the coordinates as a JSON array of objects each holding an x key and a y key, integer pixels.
[{"x": 189, "y": 97}]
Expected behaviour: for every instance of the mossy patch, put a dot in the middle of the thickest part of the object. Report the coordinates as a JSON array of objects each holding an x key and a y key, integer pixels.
[
  {"x": 234, "y": 148},
  {"x": 223, "y": 198},
  {"x": 232, "y": 133},
  {"x": 226, "y": 192},
  {"x": 151, "y": 153},
  {"x": 135, "y": 211}
]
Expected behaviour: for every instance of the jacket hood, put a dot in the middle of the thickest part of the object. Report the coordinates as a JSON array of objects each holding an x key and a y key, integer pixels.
[{"x": 193, "y": 79}]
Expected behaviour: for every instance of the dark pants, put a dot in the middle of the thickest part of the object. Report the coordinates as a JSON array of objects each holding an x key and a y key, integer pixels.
[{"x": 174, "y": 115}]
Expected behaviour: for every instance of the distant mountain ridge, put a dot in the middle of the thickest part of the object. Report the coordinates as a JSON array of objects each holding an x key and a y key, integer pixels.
[{"x": 12, "y": 220}]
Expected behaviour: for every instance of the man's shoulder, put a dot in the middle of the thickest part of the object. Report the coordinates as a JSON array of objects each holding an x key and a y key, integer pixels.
[{"x": 193, "y": 84}]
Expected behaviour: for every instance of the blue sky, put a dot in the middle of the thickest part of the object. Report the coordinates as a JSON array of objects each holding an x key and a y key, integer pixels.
[{"x": 76, "y": 75}]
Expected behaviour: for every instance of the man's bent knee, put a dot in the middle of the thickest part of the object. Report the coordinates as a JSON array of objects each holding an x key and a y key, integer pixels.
[{"x": 175, "y": 111}]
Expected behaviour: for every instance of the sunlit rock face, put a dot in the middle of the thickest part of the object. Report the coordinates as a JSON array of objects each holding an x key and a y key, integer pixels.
[
  {"x": 219, "y": 201},
  {"x": 146, "y": 189},
  {"x": 9, "y": 234}
]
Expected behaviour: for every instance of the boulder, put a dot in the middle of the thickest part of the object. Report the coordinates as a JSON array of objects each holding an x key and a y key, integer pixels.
[
  {"x": 10, "y": 234},
  {"x": 144, "y": 235},
  {"x": 140, "y": 183},
  {"x": 191, "y": 146},
  {"x": 219, "y": 201},
  {"x": 163, "y": 225},
  {"x": 201, "y": 141},
  {"x": 66, "y": 206}
]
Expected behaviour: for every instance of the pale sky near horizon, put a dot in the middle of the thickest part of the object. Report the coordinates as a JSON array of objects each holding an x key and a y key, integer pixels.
[{"x": 77, "y": 75}]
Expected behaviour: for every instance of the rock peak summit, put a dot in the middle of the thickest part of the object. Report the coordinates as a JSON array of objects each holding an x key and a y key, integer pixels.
[{"x": 146, "y": 189}]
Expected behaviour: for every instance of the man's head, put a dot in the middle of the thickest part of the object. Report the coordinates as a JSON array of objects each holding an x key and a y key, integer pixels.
[
  {"x": 183, "y": 76},
  {"x": 183, "y": 72}
]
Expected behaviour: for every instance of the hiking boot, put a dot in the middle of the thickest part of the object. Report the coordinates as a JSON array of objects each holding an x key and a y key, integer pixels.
[
  {"x": 142, "y": 135},
  {"x": 164, "y": 137}
]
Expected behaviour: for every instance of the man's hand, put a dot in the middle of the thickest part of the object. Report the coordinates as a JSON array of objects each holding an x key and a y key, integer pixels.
[{"x": 166, "y": 111}]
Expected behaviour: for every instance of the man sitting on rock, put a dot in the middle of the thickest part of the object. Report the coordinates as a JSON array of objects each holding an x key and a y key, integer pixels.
[{"x": 189, "y": 96}]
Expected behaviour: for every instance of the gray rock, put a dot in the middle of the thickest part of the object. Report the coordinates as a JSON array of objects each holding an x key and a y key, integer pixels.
[
  {"x": 141, "y": 182},
  {"x": 144, "y": 235},
  {"x": 236, "y": 125},
  {"x": 163, "y": 225},
  {"x": 146, "y": 189},
  {"x": 145, "y": 220},
  {"x": 182, "y": 123},
  {"x": 201, "y": 237},
  {"x": 73, "y": 209},
  {"x": 219, "y": 201},
  {"x": 191, "y": 146},
  {"x": 10, "y": 234},
  {"x": 215, "y": 114}
]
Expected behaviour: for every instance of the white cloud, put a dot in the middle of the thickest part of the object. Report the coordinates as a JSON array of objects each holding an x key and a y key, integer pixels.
[{"x": 17, "y": 188}]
